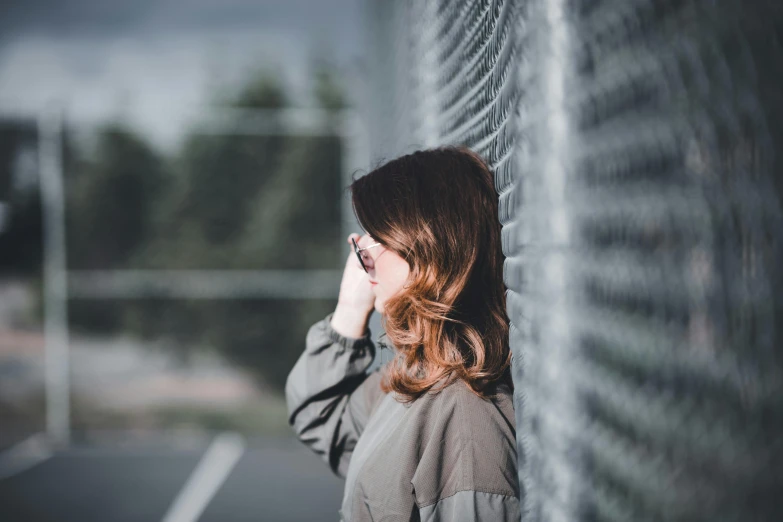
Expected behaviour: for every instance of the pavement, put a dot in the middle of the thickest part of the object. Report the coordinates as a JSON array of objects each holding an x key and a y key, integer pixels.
[{"x": 274, "y": 479}]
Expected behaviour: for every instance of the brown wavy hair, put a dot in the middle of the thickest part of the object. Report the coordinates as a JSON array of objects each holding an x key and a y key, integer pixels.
[{"x": 438, "y": 209}]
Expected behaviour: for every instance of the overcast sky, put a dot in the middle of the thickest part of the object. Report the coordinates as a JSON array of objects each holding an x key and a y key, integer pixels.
[{"x": 150, "y": 61}]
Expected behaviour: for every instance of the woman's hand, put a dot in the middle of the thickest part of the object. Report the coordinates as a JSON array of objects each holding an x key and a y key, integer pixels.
[{"x": 357, "y": 299}]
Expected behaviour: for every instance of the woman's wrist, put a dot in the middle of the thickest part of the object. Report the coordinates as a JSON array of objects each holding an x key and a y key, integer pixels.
[{"x": 350, "y": 322}]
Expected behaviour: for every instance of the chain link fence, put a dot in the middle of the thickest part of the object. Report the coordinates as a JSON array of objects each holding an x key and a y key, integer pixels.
[{"x": 635, "y": 147}]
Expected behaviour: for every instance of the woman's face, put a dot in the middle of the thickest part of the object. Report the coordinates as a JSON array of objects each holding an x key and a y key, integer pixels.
[{"x": 388, "y": 272}]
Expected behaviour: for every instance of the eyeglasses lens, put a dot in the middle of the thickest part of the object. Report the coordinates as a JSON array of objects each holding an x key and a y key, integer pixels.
[{"x": 360, "y": 255}]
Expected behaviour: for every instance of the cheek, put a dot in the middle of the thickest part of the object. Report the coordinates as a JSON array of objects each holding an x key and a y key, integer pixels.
[{"x": 392, "y": 276}]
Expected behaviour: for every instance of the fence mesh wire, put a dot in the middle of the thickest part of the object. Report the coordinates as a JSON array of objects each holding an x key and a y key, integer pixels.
[{"x": 635, "y": 146}]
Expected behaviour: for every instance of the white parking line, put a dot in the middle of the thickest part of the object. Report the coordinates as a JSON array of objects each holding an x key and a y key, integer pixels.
[
  {"x": 210, "y": 473},
  {"x": 24, "y": 455}
]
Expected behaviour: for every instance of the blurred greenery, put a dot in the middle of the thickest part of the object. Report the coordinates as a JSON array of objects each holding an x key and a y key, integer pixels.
[
  {"x": 267, "y": 415},
  {"x": 222, "y": 201},
  {"x": 21, "y": 239}
]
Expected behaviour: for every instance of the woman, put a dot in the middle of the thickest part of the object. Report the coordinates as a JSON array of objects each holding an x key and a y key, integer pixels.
[{"x": 429, "y": 436}]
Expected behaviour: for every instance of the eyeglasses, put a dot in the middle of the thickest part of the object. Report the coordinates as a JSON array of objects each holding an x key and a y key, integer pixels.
[{"x": 361, "y": 256}]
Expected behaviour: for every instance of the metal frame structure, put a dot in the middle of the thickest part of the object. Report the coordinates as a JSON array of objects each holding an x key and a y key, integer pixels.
[{"x": 61, "y": 284}]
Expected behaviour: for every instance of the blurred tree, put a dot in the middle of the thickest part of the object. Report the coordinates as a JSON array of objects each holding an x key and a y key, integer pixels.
[
  {"x": 111, "y": 200},
  {"x": 9, "y": 137},
  {"x": 225, "y": 172},
  {"x": 233, "y": 200},
  {"x": 108, "y": 213},
  {"x": 244, "y": 201},
  {"x": 328, "y": 92},
  {"x": 295, "y": 223},
  {"x": 301, "y": 203},
  {"x": 262, "y": 92},
  {"x": 21, "y": 235}
]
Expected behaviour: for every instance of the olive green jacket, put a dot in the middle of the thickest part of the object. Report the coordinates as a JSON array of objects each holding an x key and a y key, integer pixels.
[{"x": 448, "y": 455}]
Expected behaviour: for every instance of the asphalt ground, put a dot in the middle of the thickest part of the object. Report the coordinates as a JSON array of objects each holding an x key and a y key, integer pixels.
[{"x": 275, "y": 479}]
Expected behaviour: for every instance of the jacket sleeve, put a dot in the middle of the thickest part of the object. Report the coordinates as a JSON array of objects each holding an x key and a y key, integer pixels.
[{"x": 330, "y": 394}]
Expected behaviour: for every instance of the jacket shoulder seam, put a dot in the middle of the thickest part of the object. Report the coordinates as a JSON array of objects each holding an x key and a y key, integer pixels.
[{"x": 474, "y": 489}]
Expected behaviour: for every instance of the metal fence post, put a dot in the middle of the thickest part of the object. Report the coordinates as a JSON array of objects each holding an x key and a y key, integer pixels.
[{"x": 57, "y": 375}]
